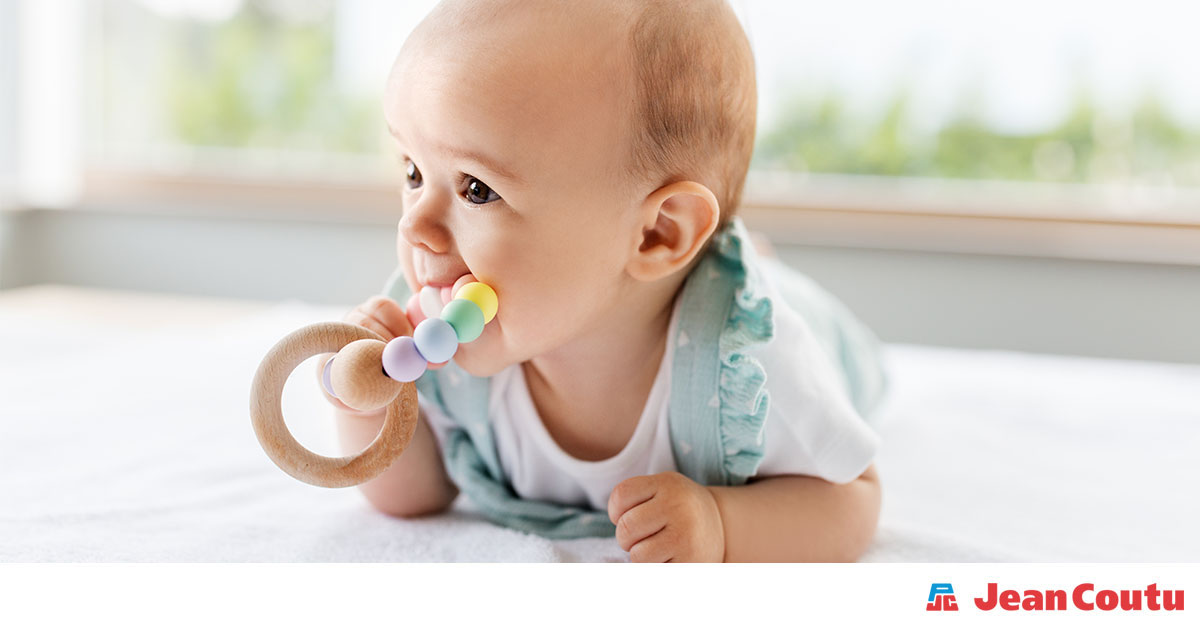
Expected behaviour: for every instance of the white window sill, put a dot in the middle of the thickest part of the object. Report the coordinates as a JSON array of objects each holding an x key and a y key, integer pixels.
[
  {"x": 997, "y": 218},
  {"x": 1068, "y": 222}
]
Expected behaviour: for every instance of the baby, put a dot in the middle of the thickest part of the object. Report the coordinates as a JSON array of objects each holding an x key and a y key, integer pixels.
[{"x": 644, "y": 373}]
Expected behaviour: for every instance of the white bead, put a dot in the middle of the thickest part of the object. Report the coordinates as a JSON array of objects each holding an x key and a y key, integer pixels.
[{"x": 431, "y": 302}]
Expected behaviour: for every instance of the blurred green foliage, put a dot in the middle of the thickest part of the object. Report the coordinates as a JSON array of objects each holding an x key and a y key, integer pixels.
[
  {"x": 261, "y": 82},
  {"x": 818, "y": 135},
  {"x": 257, "y": 81}
]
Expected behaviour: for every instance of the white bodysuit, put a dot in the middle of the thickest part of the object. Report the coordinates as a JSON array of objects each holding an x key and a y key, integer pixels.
[{"x": 811, "y": 427}]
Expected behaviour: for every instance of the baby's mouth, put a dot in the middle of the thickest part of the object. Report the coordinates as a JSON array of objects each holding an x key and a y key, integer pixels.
[
  {"x": 435, "y": 293},
  {"x": 437, "y": 273},
  {"x": 447, "y": 289}
]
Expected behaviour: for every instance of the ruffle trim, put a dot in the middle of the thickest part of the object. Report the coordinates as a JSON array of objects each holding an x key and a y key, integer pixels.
[{"x": 743, "y": 397}]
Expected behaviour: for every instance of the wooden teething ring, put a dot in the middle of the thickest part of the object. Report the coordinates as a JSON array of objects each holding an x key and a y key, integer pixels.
[{"x": 266, "y": 412}]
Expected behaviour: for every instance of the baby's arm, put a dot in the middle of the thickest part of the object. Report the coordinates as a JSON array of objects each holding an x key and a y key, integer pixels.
[
  {"x": 799, "y": 518},
  {"x": 416, "y": 483},
  {"x": 784, "y": 518}
]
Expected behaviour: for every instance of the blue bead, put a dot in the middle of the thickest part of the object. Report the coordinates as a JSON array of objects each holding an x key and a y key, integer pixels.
[{"x": 436, "y": 340}]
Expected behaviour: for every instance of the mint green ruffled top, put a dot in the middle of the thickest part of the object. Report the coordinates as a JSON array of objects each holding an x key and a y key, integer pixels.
[{"x": 724, "y": 309}]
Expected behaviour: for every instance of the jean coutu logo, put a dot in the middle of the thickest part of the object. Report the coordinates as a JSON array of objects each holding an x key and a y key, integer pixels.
[
  {"x": 1083, "y": 597},
  {"x": 941, "y": 597}
]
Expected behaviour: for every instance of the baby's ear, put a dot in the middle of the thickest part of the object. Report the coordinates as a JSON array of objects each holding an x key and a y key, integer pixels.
[{"x": 676, "y": 221}]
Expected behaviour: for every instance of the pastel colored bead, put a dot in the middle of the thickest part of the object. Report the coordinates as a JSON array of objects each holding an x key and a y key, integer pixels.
[
  {"x": 431, "y": 301},
  {"x": 462, "y": 281},
  {"x": 401, "y": 360},
  {"x": 465, "y": 317},
  {"x": 356, "y": 375},
  {"x": 413, "y": 310},
  {"x": 482, "y": 295},
  {"x": 435, "y": 339},
  {"x": 325, "y": 377},
  {"x": 447, "y": 294}
]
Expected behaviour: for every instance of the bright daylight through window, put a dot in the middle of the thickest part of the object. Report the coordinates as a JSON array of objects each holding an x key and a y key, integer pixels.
[{"x": 1062, "y": 92}]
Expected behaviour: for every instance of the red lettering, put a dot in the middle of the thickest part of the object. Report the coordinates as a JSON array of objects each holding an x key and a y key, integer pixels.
[
  {"x": 990, "y": 602},
  {"x": 1152, "y": 597},
  {"x": 1077, "y": 596},
  {"x": 1131, "y": 600},
  {"x": 1056, "y": 599}
]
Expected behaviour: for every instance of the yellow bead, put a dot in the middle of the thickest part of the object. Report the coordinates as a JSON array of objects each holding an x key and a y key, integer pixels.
[{"x": 482, "y": 295}]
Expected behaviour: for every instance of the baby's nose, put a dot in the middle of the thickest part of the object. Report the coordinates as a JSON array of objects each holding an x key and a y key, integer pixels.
[{"x": 422, "y": 226}]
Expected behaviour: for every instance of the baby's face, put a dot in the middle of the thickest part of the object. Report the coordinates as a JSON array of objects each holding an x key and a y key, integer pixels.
[{"x": 513, "y": 139}]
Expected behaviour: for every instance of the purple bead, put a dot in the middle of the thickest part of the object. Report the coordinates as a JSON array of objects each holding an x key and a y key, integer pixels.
[
  {"x": 401, "y": 360},
  {"x": 327, "y": 378}
]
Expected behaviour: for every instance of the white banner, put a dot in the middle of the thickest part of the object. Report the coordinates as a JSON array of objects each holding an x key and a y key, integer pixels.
[{"x": 611, "y": 595}]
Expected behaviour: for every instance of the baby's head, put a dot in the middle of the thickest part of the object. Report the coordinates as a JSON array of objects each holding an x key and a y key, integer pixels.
[{"x": 577, "y": 156}]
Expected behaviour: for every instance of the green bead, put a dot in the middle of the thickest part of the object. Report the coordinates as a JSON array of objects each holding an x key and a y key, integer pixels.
[{"x": 465, "y": 317}]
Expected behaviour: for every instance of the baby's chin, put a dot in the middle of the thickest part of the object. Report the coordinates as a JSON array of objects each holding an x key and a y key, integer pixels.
[
  {"x": 479, "y": 363},
  {"x": 484, "y": 357}
]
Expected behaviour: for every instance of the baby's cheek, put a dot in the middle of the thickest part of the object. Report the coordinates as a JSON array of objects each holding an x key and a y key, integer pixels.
[
  {"x": 553, "y": 319},
  {"x": 404, "y": 255}
]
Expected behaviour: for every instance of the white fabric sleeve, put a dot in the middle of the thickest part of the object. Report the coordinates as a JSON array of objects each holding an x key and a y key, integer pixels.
[{"x": 811, "y": 427}]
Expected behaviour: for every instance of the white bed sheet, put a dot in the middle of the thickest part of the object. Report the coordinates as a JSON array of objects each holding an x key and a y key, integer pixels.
[{"x": 125, "y": 436}]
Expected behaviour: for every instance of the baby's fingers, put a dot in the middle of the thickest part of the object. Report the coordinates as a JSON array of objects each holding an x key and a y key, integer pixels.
[
  {"x": 382, "y": 316},
  {"x": 630, "y": 493},
  {"x": 640, "y": 523},
  {"x": 659, "y": 547}
]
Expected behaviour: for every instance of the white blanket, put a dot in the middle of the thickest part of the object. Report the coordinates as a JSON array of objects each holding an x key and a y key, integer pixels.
[{"x": 125, "y": 436}]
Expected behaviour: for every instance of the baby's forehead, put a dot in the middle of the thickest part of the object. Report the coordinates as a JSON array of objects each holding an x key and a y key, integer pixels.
[
  {"x": 541, "y": 84},
  {"x": 515, "y": 43}
]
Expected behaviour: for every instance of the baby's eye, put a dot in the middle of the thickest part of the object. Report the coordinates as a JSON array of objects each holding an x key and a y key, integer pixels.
[
  {"x": 479, "y": 193},
  {"x": 413, "y": 175}
]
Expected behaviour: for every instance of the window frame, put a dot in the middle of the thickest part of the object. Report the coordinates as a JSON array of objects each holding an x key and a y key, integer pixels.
[{"x": 872, "y": 220}]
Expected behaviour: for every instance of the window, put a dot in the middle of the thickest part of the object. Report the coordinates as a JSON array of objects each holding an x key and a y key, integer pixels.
[
  {"x": 262, "y": 88},
  {"x": 1059, "y": 91},
  {"x": 8, "y": 85},
  {"x": 1088, "y": 100}
]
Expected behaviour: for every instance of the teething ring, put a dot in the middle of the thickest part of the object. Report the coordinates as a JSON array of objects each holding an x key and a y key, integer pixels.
[{"x": 266, "y": 412}]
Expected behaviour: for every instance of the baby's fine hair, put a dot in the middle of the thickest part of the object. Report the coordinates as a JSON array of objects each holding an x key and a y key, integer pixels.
[{"x": 696, "y": 96}]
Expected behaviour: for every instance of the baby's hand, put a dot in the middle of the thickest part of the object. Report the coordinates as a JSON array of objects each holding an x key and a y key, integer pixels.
[
  {"x": 382, "y": 316},
  {"x": 667, "y": 517},
  {"x": 386, "y": 318}
]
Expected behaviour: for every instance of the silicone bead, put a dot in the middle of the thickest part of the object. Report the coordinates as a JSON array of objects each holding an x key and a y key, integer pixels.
[
  {"x": 482, "y": 295},
  {"x": 325, "y": 380},
  {"x": 436, "y": 340},
  {"x": 460, "y": 282},
  {"x": 401, "y": 360},
  {"x": 446, "y": 295},
  {"x": 465, "y": 317},
  {"x": 431, "y": 301},
  {"x": 413, "y": 310}
]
